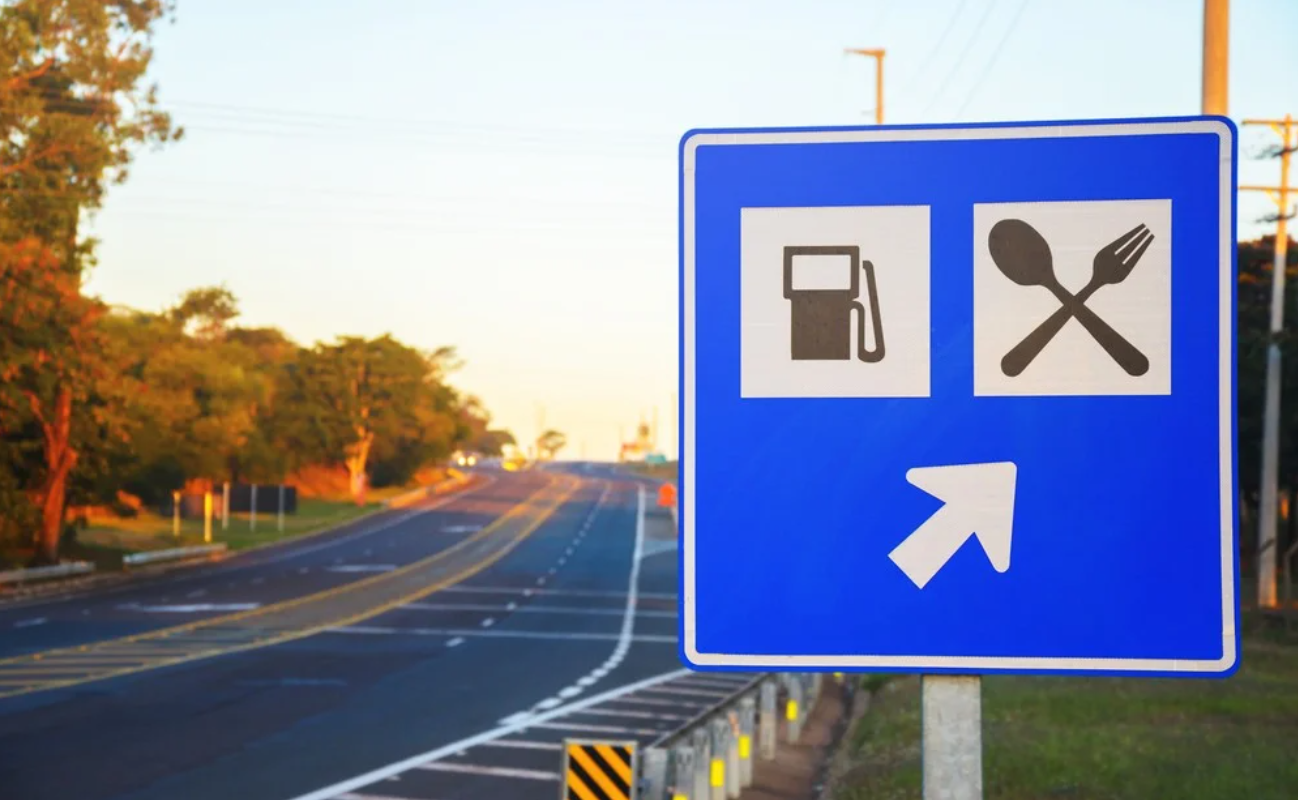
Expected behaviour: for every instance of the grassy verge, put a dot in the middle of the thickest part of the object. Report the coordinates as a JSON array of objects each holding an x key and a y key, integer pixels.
[
  {"x": 662, "y": 472},
  {"x": 107, "y": 541},
  {"x": 1093, "y": 738}
]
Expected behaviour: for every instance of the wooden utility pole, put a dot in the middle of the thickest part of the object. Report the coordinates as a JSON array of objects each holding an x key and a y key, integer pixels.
[
  {"x": 1267, "y": 528},
  {"x": 1216, "y": 55},
  {"x": 877, "y": 55}
]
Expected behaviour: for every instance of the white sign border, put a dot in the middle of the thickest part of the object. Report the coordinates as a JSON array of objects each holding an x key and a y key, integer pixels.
[{"x": 1226, "y": 133}]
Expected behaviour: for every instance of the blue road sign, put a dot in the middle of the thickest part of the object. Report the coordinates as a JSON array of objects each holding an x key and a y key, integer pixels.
[{"x": 990, "y": 371}]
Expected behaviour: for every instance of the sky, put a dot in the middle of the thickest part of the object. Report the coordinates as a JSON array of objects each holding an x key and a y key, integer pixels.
[{"x": 501, "y": 175}]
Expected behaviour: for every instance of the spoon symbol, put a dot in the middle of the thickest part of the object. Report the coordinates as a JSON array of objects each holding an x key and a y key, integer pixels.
[{"x": 1023, "y": 256}]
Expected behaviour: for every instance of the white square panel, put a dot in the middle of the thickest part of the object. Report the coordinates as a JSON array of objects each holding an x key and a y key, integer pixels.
[
  {"x": 815, "y": 336},
  {"x": 1125, "y": 347}
]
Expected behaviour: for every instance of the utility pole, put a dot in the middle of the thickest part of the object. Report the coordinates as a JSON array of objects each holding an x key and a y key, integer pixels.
[
  {"x": 877, "y": 55},
  {"x": 1216, "y": 55},
  {"x": 1267, "y": 528}
]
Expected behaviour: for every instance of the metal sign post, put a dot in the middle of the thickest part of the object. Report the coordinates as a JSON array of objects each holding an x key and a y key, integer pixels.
[{"x": 951, "y": 717}]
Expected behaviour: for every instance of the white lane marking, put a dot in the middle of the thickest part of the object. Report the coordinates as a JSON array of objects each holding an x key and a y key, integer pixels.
[
  {"x": 523, "y": 744},
  {"x": 687, "y": 692},
  {"x": 461, "y": 528},
  {"x": 191, "y": 608},
  {"x": 575, "y": 726},
  {"x": 507, "y": 634},
  {"x": 353, "y": 796},
  {"x": 658, "y": 546},
  {"x": 553, "y": 592},
  {"x": 546, "y": 704},
  {"x": 563, "y": 560},
  {"x": 495, "y": 772},
  {"x": 31, "y": 623},
  {"x": 532, "y": 609},
  {"x": 197, "y": 593},
  {"x": 363, "y": 568},
  {"x": 488, "y": 622},
  {"x": 570, "y": 692},
  {"x": 589, "y": 680},
  {"x": 514, "y": 719},
  {"x": 622, "y": 712},
  {"x": 697, "y": 683},
  {"x": 658, "y": 701},
  {"x": 456, "y": 642}
]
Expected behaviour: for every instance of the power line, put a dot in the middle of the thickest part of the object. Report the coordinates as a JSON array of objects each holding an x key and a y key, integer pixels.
[
  {"x": 973, "y": 39},
  {"x": 937, "y": 48},
  {"x": 996, "y": 54}
]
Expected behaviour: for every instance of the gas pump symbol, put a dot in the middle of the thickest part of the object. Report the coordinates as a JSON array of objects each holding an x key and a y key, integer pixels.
[{"x": 822, "y": 318}]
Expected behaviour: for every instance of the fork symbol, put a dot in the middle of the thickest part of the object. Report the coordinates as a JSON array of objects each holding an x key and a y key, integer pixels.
[{"x": 1112, "y": 264}]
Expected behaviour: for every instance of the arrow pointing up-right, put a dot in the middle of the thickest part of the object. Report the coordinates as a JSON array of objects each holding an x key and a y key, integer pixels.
[{"x": 979, "y": 501}]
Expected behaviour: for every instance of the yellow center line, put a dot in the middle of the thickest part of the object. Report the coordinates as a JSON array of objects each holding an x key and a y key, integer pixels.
[{"x": 540, "y": 505}]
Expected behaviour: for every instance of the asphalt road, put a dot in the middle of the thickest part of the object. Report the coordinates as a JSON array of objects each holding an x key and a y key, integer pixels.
[{"x": 464, "y": 693}]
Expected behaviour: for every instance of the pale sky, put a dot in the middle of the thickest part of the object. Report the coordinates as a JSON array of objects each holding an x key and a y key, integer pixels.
[{"x": 500, "y": 175}]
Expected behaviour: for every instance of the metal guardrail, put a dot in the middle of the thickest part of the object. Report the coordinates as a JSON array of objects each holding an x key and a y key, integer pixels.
[
  {"x": 41, "y": 573},
  {"x": 172, "y": 554},
  {"x": 711, "y": 757}
]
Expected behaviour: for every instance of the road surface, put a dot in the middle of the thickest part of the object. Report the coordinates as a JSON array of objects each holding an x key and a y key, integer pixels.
[{"x": 438, "y": 652}]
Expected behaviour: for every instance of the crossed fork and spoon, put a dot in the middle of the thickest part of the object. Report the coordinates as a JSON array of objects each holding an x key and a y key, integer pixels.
[{"x": 1023, "y": 255}]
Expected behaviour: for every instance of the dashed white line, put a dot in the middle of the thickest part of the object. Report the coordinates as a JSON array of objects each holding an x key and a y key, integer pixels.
[
  {"x": 488, "y": 622},
  {"x": 511, "y": 606},
  {"x": 570, "y": 692},
  {"x": 495, "y": 772},
  {"x": 574, "y": 726},
  {"x": 456, "y": 642},
  {"x": 523, "y": 744},
  {"x": 31, "y": 623}
]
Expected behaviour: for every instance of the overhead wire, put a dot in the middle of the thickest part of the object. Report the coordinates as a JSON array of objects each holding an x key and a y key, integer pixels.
[
  {"x": 991, "y": 63},
  {"x": 955, "y": 68},
  {"x": 931, "y": 58}
]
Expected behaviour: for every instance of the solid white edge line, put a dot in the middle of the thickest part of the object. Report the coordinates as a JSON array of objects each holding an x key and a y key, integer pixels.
[
  {"x": 1226, "y": 423},
  {"x": 330, "y": 792}
]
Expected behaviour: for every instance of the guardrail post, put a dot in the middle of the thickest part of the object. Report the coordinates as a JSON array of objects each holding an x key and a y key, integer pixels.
[
  {"x": 767, "y": 720},
  {"x": 732, "y": 753},
  {"x": 794, "y": 710},
  {"x": 682, "y": 774},
  {"x": 252, "y": 518},
  {"x": 702, "y": 744},
  {"x": 747, "y": 722},
  {"x": 720, "y": 730},
  {"x": 654, "y": 771}
]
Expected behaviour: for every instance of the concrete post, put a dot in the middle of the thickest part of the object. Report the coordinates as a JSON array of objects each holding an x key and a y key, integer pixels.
[
  {"x": 767, "y": 721},
  {"x": 719, "y": 728},
  {"x": 702, "y": 745},
  {"x": 653, "y": 767},
  {"x": 794, "y": 710},
  {"x": 747, "y": 724},
  {"x": 732, "y": 754},
  {"x": 682, "y": 773},
  {"x": 252, "y": 519}
]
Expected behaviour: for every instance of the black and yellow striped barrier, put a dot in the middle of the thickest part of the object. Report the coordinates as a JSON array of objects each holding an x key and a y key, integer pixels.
[{"x": 599, "y": 770}]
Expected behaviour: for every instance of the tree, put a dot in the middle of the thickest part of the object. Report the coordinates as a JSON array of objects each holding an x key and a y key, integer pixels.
[
  {"x": 73, "y": 109},
  {"x": 356, "y": 400},
  {"x": 549, "y": 444}
]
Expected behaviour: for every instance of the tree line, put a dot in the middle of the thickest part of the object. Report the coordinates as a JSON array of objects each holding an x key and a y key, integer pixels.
[{"x": 98, "y": 401}]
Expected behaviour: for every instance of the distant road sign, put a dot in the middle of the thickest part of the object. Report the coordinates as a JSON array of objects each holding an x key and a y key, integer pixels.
[{"x": 1010, "y": 349}]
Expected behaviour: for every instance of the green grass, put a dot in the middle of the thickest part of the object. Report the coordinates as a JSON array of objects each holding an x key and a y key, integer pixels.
[
  {"x": 663, "y": 472},
  {"x": 1108, "y": 738},
  {"x": 106, "y": 541}
]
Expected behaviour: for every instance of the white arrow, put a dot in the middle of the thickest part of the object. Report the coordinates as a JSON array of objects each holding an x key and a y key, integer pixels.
[{"x": 979, "y": 501}]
